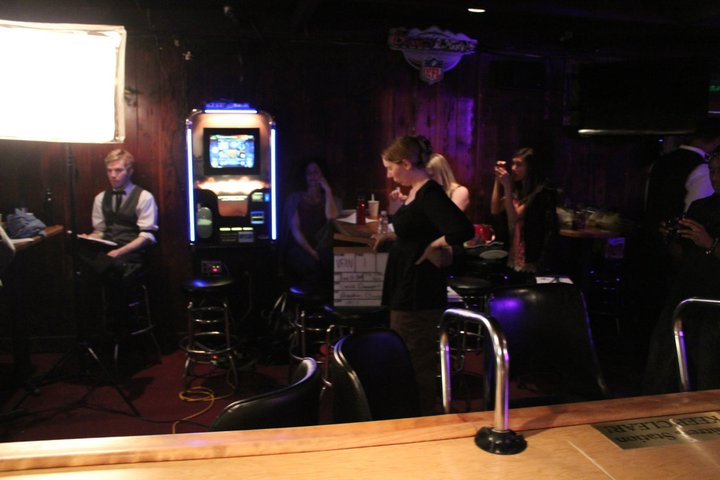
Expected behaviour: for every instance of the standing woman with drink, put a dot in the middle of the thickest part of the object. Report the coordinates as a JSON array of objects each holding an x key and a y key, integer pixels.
[
  {"x": 415, "y": 285},
  {"x": 522, "y": 193}
]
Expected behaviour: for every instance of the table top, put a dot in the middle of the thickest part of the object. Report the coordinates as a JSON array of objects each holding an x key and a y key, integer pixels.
[
  {"x": 562, "y": 444},
  {"x": 590, "y": 232},
  {"x": 23, "y": 243}
]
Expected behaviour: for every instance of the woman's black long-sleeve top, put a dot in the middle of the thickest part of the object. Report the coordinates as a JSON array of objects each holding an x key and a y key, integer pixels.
[{"x": 429, "y": 216}]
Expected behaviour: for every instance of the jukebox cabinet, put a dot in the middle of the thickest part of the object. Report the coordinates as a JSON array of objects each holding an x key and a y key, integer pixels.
[{"x": 231, "y": 176}]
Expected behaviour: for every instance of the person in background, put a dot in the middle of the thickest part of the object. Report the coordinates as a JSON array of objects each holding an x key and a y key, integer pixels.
[
  {"x": 127, "y": 215},
  {"x": 439, "y": 170},
  {"x": 307, "y": 230},
  {"x": 675, "y": 180},
  {"x": 523, "y": 195},
  {"x": 415, "y": 284},
  {"x": 694, "y": 241},
  {"x": 680, "y": 177}
]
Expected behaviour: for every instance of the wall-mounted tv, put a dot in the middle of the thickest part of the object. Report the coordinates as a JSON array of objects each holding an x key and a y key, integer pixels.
[
  {"x": 231, "y": 151},
  {"x": 645, "y": 96}
]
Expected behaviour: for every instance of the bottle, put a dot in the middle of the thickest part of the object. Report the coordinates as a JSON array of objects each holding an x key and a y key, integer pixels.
[
  {"x": 383, "y": 222},
  {"x": 360, "y": 211}
]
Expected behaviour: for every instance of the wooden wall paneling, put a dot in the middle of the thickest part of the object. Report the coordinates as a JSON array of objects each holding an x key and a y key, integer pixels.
[
  {"x": 485, "y": 137},
  {"x": 21, "y": 161},
  {"x": 385, "y": 129},
  {"x": 159, "y": 140}
]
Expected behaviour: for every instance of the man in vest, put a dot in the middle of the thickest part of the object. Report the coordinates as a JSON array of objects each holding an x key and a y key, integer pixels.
[
  {"x": 675, "y": 180},
  {"x": 125, "y": 214}
]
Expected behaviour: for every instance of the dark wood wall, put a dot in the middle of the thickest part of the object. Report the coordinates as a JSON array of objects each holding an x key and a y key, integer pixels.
[{"x": 342, "y": 101}]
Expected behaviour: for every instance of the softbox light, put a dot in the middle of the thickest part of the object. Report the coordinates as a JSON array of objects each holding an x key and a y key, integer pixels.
[{"x": 62, "y": 82}]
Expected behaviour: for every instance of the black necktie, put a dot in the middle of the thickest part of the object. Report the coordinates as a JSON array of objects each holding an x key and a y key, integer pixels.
[{"x": 118, "y": 198}]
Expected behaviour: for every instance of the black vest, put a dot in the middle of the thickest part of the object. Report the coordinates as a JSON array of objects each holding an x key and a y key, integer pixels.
[{"x": 121, "y": 226}]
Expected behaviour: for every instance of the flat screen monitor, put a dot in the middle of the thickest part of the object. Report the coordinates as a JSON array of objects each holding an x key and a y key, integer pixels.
[{"x": 231, "y": 151}]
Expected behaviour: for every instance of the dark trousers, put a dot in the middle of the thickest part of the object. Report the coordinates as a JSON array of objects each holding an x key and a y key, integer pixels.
[
  {"x": 112, "y": 280},
  {"x": 419, "y": 331}
]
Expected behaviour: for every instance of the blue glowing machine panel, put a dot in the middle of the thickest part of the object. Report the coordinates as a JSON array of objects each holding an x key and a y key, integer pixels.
[{"x": 231, "y": 176}]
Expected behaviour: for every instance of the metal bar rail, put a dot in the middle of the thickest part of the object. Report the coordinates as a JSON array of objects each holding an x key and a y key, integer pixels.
[
  {"x": 679, "y": 335},
  {"x": 499, "y": 439}
]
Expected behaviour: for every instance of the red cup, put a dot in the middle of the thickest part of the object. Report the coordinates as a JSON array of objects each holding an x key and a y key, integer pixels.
[{"x": 484, "y": 234}]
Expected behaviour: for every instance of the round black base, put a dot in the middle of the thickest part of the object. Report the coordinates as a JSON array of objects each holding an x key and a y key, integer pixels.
[{"x": 501, "y": 443}]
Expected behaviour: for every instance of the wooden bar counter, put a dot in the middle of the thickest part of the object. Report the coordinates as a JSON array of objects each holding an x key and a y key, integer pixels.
[{"x": 562, "y": 444}]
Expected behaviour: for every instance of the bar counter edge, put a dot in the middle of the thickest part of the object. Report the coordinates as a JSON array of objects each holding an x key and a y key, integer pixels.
[{"x": 209, "y": 445}]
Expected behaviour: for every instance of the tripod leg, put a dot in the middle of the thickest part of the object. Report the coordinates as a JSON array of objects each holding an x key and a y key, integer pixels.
[
  {"x": 33, "y": 388},
  {"x": 109, "y": 377}
]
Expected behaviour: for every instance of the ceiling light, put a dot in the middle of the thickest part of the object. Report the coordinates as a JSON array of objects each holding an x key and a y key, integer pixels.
[{"x": 476, "y": 10}]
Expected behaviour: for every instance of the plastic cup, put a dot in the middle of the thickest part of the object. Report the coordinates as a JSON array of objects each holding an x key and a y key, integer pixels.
[{"x": 373, "y": 209}]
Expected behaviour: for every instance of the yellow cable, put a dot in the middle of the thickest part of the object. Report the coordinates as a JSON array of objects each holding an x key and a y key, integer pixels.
[{"x": 197, "y": 394}]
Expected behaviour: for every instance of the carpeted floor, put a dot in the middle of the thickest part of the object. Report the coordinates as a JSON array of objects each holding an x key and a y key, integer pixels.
[{"x": 76, "y": 400}]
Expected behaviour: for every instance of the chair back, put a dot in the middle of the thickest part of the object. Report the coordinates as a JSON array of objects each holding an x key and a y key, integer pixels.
[
  {"x": 295, "y": 405},
  {"x": 549, "y": 342},
  {"x": 373, "y": 378}
]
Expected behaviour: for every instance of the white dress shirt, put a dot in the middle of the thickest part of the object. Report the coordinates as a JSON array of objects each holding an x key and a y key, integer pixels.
[
  {"x": 146, "y": 211},
  {"x": 698, "y": 183}
]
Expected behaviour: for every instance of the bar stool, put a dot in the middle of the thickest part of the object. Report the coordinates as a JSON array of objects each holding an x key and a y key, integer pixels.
[
  {"x": 309, "y": 319},
  {"x": 209, "y": 339},
  {"x": 473, "y": 291},
  {"x": 317, "y": 323},
  {"x": 141, "y": 322},
  {"x": 466, "y": 337}
]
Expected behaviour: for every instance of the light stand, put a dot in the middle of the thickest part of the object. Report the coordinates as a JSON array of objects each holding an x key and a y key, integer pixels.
[
  {"x": 81, "y": 102},
  {"x": 83, "y": 347}
]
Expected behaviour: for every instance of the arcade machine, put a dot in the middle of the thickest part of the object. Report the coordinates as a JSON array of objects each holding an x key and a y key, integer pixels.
[{"x": 231, "y": 191}]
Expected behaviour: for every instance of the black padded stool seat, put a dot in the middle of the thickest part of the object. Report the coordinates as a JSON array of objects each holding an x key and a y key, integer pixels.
[
  {"x": 473, "y": 290},
  {"x": 469, "y": 286},
  {"x": 308, "y": 296},
  {"x": 207, "y": 284}
]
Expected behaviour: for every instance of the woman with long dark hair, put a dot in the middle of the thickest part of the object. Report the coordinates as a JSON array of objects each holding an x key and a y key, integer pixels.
[
  {"x": 523, "y": 194},
  {"x": 306, "y": 237}
]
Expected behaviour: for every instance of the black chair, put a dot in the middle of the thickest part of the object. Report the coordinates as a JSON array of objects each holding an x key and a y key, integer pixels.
[
  {"x": 372, "y": 378},
  {"x": 295, "y": 405},
  {"x": 551, "y": 348}
]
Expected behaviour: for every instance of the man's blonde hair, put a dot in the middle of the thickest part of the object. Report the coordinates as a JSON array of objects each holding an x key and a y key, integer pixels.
[{"x": 120, "y": 154}]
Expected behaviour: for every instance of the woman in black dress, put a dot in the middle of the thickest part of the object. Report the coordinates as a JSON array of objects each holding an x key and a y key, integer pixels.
[{"x": 415, "y": 286}]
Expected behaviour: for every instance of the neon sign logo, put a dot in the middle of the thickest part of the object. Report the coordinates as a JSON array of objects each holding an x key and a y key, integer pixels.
[{"x": 432, "y": 51}]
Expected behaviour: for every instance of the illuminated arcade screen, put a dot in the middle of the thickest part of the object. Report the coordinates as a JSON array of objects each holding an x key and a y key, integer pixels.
[{"x": 231, "y": 151}]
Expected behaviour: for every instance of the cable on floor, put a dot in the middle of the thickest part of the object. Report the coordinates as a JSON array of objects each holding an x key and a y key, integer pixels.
[{"x": 197, "y": 394}]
